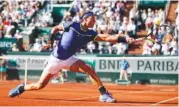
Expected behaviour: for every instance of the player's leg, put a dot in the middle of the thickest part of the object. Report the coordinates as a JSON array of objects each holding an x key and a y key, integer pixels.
[
  {"x": 81, "y": 66},
  {"x": 49, "y": 71},
  {"x": 53, "y": 67},
  {"x": 43, "y": 81}
]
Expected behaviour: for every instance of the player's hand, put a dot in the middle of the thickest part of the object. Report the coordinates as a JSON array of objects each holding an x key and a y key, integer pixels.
[
  {"x": 129, "y": 40},
  {"x": 48, "y": 45}
]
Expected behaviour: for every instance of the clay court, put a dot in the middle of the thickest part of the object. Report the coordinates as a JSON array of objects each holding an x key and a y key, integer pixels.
[{"x": 85, "y": 94}]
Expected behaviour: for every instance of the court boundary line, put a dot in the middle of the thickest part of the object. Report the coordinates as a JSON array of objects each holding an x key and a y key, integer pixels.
[
  {"x": 163, "y": 101},
  {"x": 115, "y": 92}
]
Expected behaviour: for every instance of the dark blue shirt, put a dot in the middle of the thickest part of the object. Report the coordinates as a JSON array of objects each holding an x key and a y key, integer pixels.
[{"x": 72, "y": 39}]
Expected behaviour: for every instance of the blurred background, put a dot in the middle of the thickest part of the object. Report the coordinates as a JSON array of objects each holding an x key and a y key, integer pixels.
[{"x": 25, "y": 27}]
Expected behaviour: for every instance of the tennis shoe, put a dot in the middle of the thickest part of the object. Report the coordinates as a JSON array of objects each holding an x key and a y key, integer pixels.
[
  {"x": 16, "y": 91},
  {"x": 107, "y": 98}
]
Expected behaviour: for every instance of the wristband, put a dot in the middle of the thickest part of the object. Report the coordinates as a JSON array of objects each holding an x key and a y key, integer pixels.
[
  {"x": 51, "y": 37},
  {"x": 121, "y": 39}
]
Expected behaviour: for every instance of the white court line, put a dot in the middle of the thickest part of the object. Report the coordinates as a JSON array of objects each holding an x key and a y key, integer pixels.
[
  {"x": 82, "y": 98},
  {"x": 121, "y": 93},
  {"x": 165, "y": 101}
]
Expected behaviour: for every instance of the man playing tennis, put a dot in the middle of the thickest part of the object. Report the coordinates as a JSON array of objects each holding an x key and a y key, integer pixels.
[{"x": 76, "y": 34}]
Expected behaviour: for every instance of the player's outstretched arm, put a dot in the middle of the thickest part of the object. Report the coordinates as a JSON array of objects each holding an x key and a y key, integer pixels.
[{"x": 113, "y": 38}]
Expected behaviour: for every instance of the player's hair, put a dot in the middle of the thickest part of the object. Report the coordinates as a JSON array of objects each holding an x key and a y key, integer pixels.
[{"x": 87, "y": 14}]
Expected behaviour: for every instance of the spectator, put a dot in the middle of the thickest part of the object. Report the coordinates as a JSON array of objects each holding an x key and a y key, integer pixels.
[
  {"x": 46, "y": 19},
  {"x": 33, "y": 34},
  {"x": 90, "y": 47},
  {"x": 144, "y": 16},
  {"x": 131, "y": 28},
  {"x": 37, "y": 47},
  {"x": 19, "y": 41},
  {"x": 168, "y": 37},
  {"x": 132, "y": 13},
  {"x": 166, "y": 48},
  {"x": 161, "y": 15},
  {"x": 17, "y": 35},
  {"x": 161, "y": 33},
  {"x": 174, "y": 46},
  {"x": 124, "y": 26},
  {"x": 177, "y": 24},
  {"x": 8, "y": 31},
  {"x": 121, "y": 7},
  {"x": 147, "y": 48},
  {"x": 3, "y": 69},
  {"x": 156, "y": 48},
  {"x": 123, "y": 46},
  {"x": 157, "y": 45},
  {"x": 148, "y": 44},
  {"x": 14, "y": 48},
  {"x": 124, "y": 65},
  {"x": 149, "y": 21},
  {"x": 109, "y": 47},
  {"x": 156, "y": 21},
  {"x": 97, "y": 49}
]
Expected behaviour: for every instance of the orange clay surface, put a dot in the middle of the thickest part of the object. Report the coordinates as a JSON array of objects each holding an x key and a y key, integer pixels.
[{"x": 85, "y": 94}]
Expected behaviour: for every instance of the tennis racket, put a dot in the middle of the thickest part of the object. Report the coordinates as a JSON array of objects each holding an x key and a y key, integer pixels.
[
  {"x": 99, "y": 13},
  {"x": 143, "y": 38}
]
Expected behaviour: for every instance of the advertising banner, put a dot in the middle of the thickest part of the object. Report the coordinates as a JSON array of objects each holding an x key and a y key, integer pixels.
[
  {"x": 157, "y": 70},
  {"x": 161, "y": 65},
  {"x": 7, "y": 43}
]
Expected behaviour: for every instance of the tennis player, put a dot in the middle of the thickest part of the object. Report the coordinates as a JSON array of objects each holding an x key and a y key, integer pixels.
[{"x": 76, "y": 34}]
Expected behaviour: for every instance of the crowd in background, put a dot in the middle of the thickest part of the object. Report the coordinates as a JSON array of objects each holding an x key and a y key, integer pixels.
[
  {"x": 15, "y": 14},
  {"x": 112, "y": 22},
  {"x": 177, "y": 20},
  {"x": 162, "y": 39}
]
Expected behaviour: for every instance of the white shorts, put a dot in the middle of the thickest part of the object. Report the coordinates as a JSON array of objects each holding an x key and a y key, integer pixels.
[{"x": 55, "y": 64}]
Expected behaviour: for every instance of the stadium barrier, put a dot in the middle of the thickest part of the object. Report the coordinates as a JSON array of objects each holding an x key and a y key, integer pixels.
[
  {"x": 6, "y": 43},
  {"x": 157, "y": 70}
]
